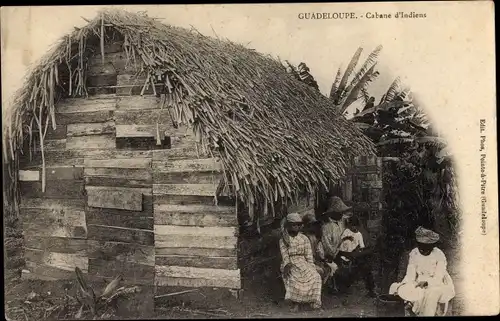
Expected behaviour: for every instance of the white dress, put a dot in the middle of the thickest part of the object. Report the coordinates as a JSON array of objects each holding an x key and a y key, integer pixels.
[{"x": 430, "y": 268}]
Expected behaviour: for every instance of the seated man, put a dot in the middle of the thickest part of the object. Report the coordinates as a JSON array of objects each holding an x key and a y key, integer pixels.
[{"x": 353, "y": 258}]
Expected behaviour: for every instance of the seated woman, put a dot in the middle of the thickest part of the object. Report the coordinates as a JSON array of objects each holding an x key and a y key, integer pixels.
[
  {"x": 427, "y": 283},
  {"x": 312, "y": 229},
  {"x": 302, "y": 281}
]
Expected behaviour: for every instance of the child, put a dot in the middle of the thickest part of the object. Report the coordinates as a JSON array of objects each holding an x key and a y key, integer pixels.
[
  {"x": 358, "y": 262},
  {"x": 352, "y": 239}
]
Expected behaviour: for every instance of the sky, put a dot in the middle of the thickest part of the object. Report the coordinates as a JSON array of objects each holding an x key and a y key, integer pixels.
[
  {"x": 447, "y": 58},
  {"x": 261, "y": 27}
]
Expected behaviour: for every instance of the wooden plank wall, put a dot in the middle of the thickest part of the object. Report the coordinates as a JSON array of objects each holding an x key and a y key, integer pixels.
[
  {"x": 195, "y": 239},
  {"x": 127, "y": 192}
]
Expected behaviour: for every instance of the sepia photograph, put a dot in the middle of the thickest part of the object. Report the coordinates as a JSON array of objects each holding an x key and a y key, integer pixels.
[{"x": 249, "y": 161}]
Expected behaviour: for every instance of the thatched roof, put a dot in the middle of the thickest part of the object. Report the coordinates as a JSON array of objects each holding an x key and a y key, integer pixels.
[{"x": 274, "y": 134}]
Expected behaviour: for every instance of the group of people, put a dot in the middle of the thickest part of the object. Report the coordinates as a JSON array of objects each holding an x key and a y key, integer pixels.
[{"x": 332, "y": 252}]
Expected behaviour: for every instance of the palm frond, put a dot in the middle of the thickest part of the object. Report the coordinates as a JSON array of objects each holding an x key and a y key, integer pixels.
[
  {"x": 366, "y": 95},
  {"x": 336, "y": 83},
  {"x": 350, "y": 68},
  {"x": 393, "y": 90},
  {"x": 353, "y": 95},
  {"x": 369, "y": 62}
]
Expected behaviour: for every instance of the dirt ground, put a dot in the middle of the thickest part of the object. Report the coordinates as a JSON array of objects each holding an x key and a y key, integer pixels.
[{"x": 262, "y": 298}]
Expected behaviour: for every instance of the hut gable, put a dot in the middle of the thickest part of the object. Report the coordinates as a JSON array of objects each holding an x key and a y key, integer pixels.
[{"x": 138, "y": 137}]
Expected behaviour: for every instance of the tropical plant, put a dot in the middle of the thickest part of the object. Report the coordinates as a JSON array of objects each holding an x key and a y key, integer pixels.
[
  {"x": 345, "y": 89},
  {"x": 86, "y": 295},
  {"x": 423, "y": 175}
]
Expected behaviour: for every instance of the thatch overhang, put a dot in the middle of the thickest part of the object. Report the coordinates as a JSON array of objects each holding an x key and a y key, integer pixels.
[{"x": 275, "y": 135}]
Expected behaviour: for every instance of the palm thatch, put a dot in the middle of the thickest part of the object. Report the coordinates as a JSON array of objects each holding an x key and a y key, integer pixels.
[{"x": 275, "y": 135}]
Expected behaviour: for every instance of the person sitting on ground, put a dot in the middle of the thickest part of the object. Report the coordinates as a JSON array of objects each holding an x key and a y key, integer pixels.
[
  {"x": 312, "y": 230},
  {"x": 427, "y": 285},
  {"x": 357, "y": 263},
  {"x": 301, "y": 279}
]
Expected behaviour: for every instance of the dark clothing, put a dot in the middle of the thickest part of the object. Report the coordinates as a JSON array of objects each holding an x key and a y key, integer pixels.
[{"x": 358, "y": 267}]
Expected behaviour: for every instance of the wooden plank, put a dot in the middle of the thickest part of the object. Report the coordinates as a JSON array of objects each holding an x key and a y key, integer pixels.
[
  {"x": 84, "y": 117},
  {"x": 64, "y": 189},
  {"x": 148, "y": 130},
  {"x": 138, "y": 102},
  {"x": 64, "y": 173},
  {"x": 89, "y": 100},
  {"x": 196, "y": 219},
  {"x": 132, "y": 85},
  {"x": 137, "y": 273},
  {"x": 190, "y": 276},
  {"x": 122, "y": 219},
  {"x": 179, "y": 153},
  {"x": 195, "y": 215},
  {"x": 144, "y": 191},
  {"x": 188, "y": 165},
  {"x": 119, "y": 199},
  {"x": 186, "y": 251},
  {"x": 117, "y": 182},
  {"x": 85, "y": 129},
  {"x": 119, "y": 163},
  {"x": 197, "y": 283},
  {"x": 124, "y": 252},
  {"x": 141, "y": 143},
  {"x": 193, "y": 272},
  {"x": 29, "y": 176},
  {"x": 186, "y": 177},
  {"x": 194, "y": 209},
  {"x": 193, "y": 200},
  {"x": 53, "y": 230},
  {"x": 91, "y": 142},
  {"x": 75, "y": 157},
  {"x": 34, "y": 271},
  {"x": 221, "y": 242},
  {"x": 51, "y": 144},
  {"x": 143, "y": 117},
  {"x": 63, "y": 261},
  {"x": 120, "y": 234},
  {"x": 111, "y": 172},
  {"x": 55, "y": 244},
  {"x": 135, "y": 131},
  {"x": 60, "y": 216},
  {"x": 185, "y": 189},
  {"x": 86, "y": 106},
  {"x": 215, "y": 231},
  {"x": 227, "y": 263},
  {"x": 54, "y": 204}
]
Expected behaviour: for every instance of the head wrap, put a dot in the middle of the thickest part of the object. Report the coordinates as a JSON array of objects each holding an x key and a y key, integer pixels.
[
  {"x": 426, "y": 236},
  {"x": 290, "y": 218},
  {"x": 294, "y": 218}
]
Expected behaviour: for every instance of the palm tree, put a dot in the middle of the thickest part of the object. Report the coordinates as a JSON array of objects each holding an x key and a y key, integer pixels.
[{"x": 346, "y": 89}]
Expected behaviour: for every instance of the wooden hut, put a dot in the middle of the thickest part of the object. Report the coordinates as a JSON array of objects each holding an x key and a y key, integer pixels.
[{"x": 133, "y": 147}]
